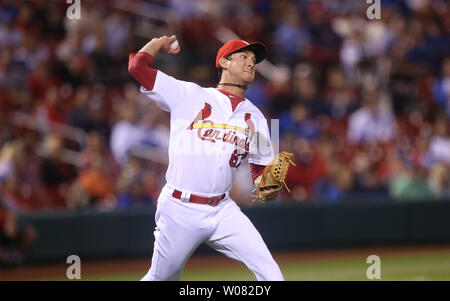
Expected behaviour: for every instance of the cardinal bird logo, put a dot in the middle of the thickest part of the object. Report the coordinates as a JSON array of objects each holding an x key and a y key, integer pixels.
[
  {"x": 202, "y": 115},
  {"x": 249, "y": 122}
]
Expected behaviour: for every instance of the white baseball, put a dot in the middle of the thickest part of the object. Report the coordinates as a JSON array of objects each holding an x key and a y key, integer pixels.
[{"x": 174, "y": 45}]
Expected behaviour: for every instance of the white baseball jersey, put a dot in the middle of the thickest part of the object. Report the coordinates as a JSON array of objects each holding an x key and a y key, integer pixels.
[{"x": 208, "y": 140}]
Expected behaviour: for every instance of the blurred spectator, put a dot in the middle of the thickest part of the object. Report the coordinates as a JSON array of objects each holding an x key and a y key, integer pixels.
[
  {"x": 336, "y": 186},
  {"x": 155, "y": 124},
  {"x": 310, "y": 169},
  {"x": 94, "y": 187},
  {"x": 98, "y": 113},
  {"x": 132, "y": 189},
  {"x": 49, "y": 109},
  {"x": 256, "y": 92},
  {"x": 298, "y": 121},
  {"x": 30, "y": 184},
  {"x": 410, "y": 184},
  {"x": 117, "y": 30},
  {"x": 291, "y": 38},
  {"x": 127, "y": 133},
  {"x": 352, "y": 53},
  {"x": 152, "y": 182},
  {"x": 403, "y": 76},
  {"x": 371, "y": 123},
  {"x": 441, "y": 88},
  {"x": 367, "y": 182},
  {"x": 95, "y": 184},
  {"x": 134, "y": 195},
  {"x": 325, "y": 41},
  {"x": 16, "y": 239},
  {"x": 95, "y": 147},
  {"x": 440, "y": 142},
  {"x": 79, "y": 115},
  {"x": 439, "y": 180},
  {"x": 11, "y": 161},
  {"x": 30, "y": 51},
  {"x": 40, "y": 80},
  {"x": 12, "y": 73},
  {"x": 340, "y": 95},
  {"x": 55, "y": 173},
  {"x": 4, "y": 131}
]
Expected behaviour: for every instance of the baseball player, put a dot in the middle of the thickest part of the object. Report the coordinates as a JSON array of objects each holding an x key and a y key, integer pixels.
[{"x": 211, "y": 133}]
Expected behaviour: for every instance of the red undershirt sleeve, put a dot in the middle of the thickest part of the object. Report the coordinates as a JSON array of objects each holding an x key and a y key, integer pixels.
[
  {"x": 256, "y": 170},
  {"x": 140, "y": 67}
]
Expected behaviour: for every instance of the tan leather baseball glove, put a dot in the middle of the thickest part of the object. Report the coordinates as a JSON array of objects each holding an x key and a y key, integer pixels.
[{"x": 273, "y": 177}]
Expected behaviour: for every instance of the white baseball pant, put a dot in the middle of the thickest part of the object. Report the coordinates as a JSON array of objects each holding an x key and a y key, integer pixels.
[{"x": 182, "y": 226}]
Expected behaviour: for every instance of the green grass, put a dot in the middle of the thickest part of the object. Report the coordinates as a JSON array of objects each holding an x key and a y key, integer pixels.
[{"x": 417, "y": 267}]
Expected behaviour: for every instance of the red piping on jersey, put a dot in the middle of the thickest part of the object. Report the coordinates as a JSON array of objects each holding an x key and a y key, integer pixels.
[
  {"x": 140, "y": 67},
  {"x": 235, "y": 100},
  {"x": 256, "y": 170}
]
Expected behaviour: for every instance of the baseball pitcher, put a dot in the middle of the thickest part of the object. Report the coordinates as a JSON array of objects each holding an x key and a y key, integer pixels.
[{"x": 212, "y": 131}]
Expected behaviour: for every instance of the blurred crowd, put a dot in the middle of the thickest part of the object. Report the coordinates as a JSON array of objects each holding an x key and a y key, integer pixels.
[{"x": 364, "y": 105}]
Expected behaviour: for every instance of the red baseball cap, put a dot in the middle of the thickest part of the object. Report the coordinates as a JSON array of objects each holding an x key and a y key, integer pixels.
[{"x": 234, "y": 45}]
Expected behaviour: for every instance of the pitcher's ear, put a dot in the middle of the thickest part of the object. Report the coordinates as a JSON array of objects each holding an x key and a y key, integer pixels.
[{"x": 223, "y": 61}]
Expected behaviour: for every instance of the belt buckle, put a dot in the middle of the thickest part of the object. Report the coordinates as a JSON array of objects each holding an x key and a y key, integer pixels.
[{"x": 185, "y": 197}]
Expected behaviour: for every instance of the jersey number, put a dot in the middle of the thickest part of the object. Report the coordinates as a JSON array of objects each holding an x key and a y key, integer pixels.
[{"x": 236, "y": 158}]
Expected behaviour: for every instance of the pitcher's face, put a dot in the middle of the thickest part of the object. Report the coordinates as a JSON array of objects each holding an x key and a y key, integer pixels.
[{"x": 242, "y": 66}]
